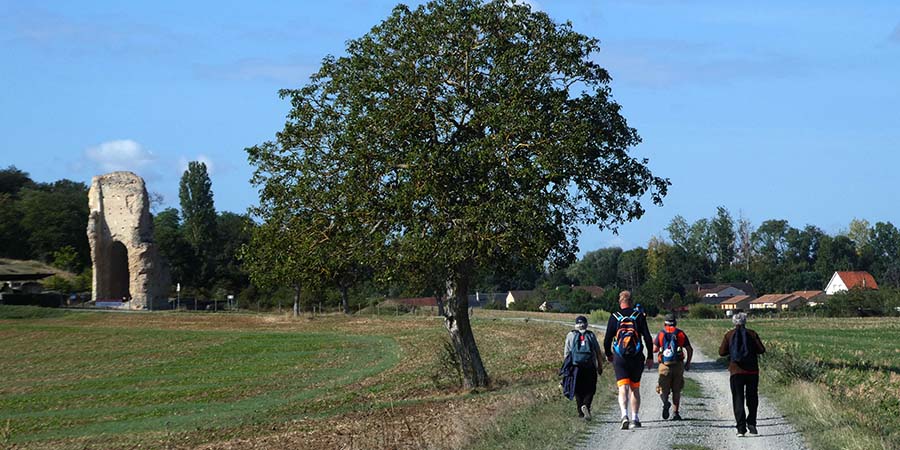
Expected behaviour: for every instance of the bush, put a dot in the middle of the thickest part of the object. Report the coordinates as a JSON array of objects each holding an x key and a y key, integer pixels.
[
  {"x": 599, "y": 316},
  {"x": 701, "y": 311},
  {"x": 494, "y": 304},
  {"x": 786, "y": 368},
  {"x": 57, "y": 283}
]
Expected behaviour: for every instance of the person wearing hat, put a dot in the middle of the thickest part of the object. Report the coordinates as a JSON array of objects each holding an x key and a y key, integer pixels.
[
  {"x": 672, "y": 344},
  {"x": 743, "y": 346},
  {"x": 584, "y": 349}
]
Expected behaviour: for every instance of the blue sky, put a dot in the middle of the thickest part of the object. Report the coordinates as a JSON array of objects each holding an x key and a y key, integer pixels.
[{"x": 775, "y": 109}]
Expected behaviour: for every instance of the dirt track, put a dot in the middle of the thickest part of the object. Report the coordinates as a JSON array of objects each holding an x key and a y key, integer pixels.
[{"x": 709, "y": 421}]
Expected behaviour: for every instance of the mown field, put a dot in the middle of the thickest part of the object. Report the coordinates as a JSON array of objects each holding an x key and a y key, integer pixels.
[
  {"x": 838, "y": 380},
  {"x": 176, "y": 380}
]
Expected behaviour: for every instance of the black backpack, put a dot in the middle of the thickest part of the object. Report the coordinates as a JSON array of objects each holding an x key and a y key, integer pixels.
[{"x": 739, "y": 348}]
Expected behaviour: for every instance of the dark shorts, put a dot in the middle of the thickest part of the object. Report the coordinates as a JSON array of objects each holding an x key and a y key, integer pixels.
[{"x": 628, "y": 370}]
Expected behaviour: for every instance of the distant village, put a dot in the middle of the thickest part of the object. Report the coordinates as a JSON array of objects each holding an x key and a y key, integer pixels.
[{"x": 727, "y": 297}]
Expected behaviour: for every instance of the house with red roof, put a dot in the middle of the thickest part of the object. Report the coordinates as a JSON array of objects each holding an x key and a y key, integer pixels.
[
  {"x": 812, "y": 298},
  {"x": 735, "y": 303},
  {"x": 844, "y": 281}
]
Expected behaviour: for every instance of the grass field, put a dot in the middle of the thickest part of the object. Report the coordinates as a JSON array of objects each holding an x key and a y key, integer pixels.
[
  {"x": 175, "y": 380},
  {"x": 837, "y": 379}
]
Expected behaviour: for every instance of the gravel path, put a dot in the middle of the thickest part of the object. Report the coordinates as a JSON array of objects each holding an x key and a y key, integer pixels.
[{"x": 709, "y": 421}]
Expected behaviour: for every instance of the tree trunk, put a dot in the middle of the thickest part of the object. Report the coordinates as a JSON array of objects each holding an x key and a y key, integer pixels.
[
  {"x": 297, "y": 300},
  {"x": 440, "y": 305},
  {"x": 456, "y": 319},
  {"x": 344, "y": 302}
]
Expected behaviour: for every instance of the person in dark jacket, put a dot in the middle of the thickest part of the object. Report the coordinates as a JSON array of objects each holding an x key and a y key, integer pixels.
[
  {"x": 629, "y": 324},
  {"x": 743, "y": 347},
  {"x": 583, "y": 349}
]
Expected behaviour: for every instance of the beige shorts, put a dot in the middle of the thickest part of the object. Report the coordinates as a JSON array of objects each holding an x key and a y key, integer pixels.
[{"x": 671, "y": 377}]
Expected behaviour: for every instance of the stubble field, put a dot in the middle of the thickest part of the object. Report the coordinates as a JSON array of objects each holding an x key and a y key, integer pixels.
[{"x": 174, "y": 380}]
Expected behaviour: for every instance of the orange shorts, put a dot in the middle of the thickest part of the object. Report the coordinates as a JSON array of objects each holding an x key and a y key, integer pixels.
[{"x": 624, "y": 381}]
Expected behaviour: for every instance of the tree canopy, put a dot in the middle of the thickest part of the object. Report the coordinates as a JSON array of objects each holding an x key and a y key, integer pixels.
[{"x": 457, "y": 137}]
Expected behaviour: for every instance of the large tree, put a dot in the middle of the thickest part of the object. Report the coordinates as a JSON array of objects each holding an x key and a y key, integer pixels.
[
  {"x": 724, "y": 240},
  {"x": 597, "y": 268},
  {"x": 54, "y": 215},
  {"x": 461, "y": 136},
  {"x": 199, "y": 215}
]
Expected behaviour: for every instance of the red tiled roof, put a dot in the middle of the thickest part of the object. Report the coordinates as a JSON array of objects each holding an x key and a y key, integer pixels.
[
  {"x": 806, "y": 295},
  {"x": 858, "y": 280},
  {"x": 772, "y": 298},
  {"x": 736, "y": 299}
]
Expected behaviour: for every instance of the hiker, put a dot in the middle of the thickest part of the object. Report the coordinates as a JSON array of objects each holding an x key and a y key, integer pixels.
[
  {"x": 671, "y": 344},
  {"x": 627, "y": 336},
  {"x": 742, "y": 346},
  {"x": 582, "y": 354}
]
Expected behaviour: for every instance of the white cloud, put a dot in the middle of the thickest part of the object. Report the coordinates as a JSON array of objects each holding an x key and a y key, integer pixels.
[
  {"x": 124, "y": 154},
  {"x": 210, "y": 166}
]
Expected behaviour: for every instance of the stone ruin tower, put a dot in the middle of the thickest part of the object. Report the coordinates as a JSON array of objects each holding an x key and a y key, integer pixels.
[{"x": 127, "y": 264}]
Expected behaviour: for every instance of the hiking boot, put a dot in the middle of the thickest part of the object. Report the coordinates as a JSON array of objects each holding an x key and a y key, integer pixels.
[
  {"x": 636, "y": 424},
  {"x": 752, "y": 429},
  {"x": 625, "y": 423},
  {"x": 666, "y": 406},
  {"x": 676, "y": 416},
  {"x": 586, "y": 412}
]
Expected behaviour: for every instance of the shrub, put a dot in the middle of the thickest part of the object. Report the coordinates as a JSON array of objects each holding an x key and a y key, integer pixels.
[
  {"x": 701, "y": 311},
  {"x": 785, "y": 367},
  {"x": 599, "y": 316},
  {"x": 58, "y": 284}
]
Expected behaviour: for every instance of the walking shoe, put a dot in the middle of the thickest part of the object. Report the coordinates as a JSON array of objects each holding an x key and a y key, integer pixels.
[
  {"x": 741, "y": 433},
  {"x": 625, "y": 423},
  {"x": 666, "y": 406},
  {"x": 676, "y": 416},
  {"x": 752, "y": 429},
  {"x": 586, "y": 412},
  {"x": 636, "y": 424}
]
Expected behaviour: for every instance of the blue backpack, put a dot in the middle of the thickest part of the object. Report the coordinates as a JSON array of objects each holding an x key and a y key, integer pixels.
[
  {"x": 627, "y": 342},
  {"x": 669, "y": 351},
  {"x": 583, "y": 346}
]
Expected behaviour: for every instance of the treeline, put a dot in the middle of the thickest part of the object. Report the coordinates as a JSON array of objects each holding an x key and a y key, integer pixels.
[
  {"x": 44, "y": 221},
  {"x": 775, "y": 257}
]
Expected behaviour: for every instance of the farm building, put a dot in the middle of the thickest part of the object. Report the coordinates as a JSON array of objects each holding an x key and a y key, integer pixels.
[
  {"x": 720, "y": 290},
  {"x": 812, "y": 298},
  {"x": 770, "y": 301},
  {"x": 737, "y": 302},
  {"x": 844, "y": 281}
]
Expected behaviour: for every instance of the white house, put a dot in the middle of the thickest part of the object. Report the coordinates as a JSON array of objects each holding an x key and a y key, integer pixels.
[
  {"x": 844, "y": 281},
  {"x": 517, "y": 295}
]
